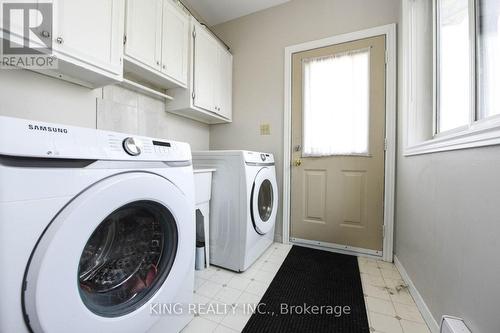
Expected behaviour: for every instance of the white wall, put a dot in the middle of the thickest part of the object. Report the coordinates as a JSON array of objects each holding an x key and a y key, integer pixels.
[
  {"x": 258, "y": 41},
  {"x": 29, "y": 95},
  {"x": 448, "y": 232},
  {"x": 127, "y": 111},
  {"x": 448, "y": 224}
]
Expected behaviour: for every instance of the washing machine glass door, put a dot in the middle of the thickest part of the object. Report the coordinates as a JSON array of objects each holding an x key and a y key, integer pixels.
[
  {"x": 127, "y": 258},
  {"x": 264, "y": 201},
  {"x": 119, "y": 246}
]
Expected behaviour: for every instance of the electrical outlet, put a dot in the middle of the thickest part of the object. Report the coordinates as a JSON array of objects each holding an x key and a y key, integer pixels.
[{"x": 265, "y": 129}]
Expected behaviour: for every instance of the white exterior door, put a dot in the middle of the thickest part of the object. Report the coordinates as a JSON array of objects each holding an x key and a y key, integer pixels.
[
  {"x": 90, "y": 31},
  {"x": 144, "y": 24}
]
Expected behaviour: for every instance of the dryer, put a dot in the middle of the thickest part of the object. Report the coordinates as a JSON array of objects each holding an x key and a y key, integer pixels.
[
  {"x": 243, "y": 207},
  {"x": 96, "y": 230}
]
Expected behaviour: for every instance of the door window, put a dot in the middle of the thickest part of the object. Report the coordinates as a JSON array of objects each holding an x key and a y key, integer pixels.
[
  {"x": 127, "y": 258},
  {"x": 336, "y": 104},
  {"x": 265, "y": 200}
]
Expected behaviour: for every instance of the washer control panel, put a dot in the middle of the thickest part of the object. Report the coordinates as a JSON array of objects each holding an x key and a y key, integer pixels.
[
  {"x": 162, "y": 147},
  {"x": 132, "y": 146},
  {"x": 25, "y": 138}
]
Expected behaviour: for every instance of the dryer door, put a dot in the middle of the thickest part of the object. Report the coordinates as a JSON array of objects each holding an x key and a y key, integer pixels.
[
  {"x": 264, "y": 201},
  {"x": 121, "y": 245}
]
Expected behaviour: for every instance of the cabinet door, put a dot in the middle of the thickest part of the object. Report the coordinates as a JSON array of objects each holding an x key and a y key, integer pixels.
[
  {"x": 175, "y": 42},
  {"x": 16, "y": 32},
  {"x": 225, "y": 86},
  {"x": 143, "y": 31},
  {"x": 205, "y": 70},
  {"x": 90, "y": 31}
]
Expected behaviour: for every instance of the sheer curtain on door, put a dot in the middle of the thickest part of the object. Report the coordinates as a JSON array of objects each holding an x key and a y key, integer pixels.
[{"x": 336, "y": 104}]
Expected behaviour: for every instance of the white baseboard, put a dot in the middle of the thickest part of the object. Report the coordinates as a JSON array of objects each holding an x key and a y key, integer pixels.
[{"x": 424, "y": 310}]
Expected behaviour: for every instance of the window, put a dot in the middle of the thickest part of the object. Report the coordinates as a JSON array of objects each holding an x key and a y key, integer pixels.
[
  {"x": 452, "y": 79},
  {"x": 461, "y": 24},
  {"x": 453, "y": 104},
  {"x": 488, "y": 57},
  {"x": 336, "y": 104}
]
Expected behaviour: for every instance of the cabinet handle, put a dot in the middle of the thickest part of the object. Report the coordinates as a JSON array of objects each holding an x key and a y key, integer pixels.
[
  {"x": 164, "y": 66},
  {"x": 59, "y": 40},
  {"x": 45, "y": 34},
  {"x": 158, "y": 63}
]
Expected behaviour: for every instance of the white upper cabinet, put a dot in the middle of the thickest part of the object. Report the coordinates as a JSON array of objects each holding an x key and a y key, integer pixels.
[
  {"x": 205, "y": 71},
  {"x": 95, "y": 43},
  {"x": 156, "y": 44},
  {"x": 209, "y": 97},
  {"x": 175, "y": 43},
  {"x": 225, "y": 86},
  {"x": 143, "y": 32},
  {"x": 87, "y": 40},
  {"x": 213, "y": 69}
]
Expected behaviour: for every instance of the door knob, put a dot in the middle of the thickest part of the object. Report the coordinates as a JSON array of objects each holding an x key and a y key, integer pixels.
[{"x": 297, "y": 162}]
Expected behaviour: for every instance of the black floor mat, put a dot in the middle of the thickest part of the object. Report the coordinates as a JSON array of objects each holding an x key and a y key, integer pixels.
[{"x": 309, "y": 278}]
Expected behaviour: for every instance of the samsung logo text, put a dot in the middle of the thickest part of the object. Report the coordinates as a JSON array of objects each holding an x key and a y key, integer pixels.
[{"x": 47, "y": 129}]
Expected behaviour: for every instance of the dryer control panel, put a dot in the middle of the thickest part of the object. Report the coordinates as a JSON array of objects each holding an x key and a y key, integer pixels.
[
  {"x": 258, "y": 158},
  {"x": 25, "y": 138}
]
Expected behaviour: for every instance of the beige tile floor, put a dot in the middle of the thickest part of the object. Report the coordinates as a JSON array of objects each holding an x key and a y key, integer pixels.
[{"x": 390, "y": 307}]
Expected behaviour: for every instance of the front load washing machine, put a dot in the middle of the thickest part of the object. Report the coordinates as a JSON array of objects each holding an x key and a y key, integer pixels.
[
  {"x": 96, "y": 230},
  {"x": 243, "y": 206}
]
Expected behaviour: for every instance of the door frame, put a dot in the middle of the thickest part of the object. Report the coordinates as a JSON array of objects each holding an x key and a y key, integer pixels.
[{"x": 389, "y": 31}]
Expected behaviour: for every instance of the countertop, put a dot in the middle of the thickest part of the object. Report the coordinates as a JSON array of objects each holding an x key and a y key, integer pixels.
[{"x": 203, "y": 170}]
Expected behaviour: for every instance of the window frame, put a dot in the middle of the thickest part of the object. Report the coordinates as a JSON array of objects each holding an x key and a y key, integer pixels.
[{"x": 479, "y": 132}]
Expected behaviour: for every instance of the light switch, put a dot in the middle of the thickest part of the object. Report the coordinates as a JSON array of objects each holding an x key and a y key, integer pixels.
[{"x": 265, "y": 129}]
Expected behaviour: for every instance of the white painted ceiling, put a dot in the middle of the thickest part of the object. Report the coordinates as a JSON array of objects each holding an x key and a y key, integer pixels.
[{"x": 219, "y": 11}]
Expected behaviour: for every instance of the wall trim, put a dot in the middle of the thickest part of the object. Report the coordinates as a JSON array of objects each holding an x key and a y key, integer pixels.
[
  {"x": 389, "y": 31},
  {"x": 480, "y": 134},
  {"x": 421, "y": 305}
]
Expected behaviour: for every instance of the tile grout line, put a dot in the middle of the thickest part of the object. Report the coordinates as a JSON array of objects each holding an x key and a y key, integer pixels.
[
  {"x": 259, "y": 262},
  {"x": 388, "y": 289}
]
